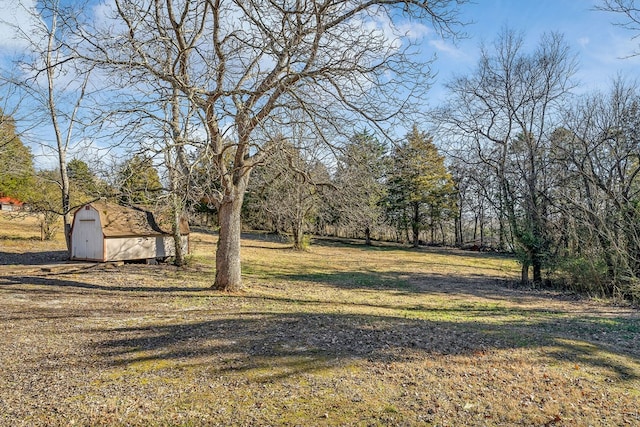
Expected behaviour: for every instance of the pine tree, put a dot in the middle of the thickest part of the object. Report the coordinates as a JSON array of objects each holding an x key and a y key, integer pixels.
[
  {"x": 420, "y": 187},
  {"x": 139, "y": 181},
  {"x": 16, "y": 162},
  {"x": 360, "y": 184}
]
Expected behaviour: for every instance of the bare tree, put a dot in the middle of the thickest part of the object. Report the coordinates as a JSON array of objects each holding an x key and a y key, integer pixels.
[
  {"x": 246, "y": 64},
  {"x": 602, "y": 153},
  {"x": 162, "y": 129},
  {"x": 505, "y": 112},
  {"x": 479, "y": 223},
  {"x": 52, "y": 85},
  {"x": 630, "y": 12}
]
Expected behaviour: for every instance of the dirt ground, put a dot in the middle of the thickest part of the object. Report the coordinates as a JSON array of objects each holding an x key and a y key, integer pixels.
[{"x": 339, "y": 335}]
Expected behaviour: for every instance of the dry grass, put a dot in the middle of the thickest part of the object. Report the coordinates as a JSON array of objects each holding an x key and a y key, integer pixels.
[{"x": 339, "y": 335}]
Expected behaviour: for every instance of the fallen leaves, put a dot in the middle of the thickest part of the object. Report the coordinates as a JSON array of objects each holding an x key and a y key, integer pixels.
[{"x": 140, "y": 345}]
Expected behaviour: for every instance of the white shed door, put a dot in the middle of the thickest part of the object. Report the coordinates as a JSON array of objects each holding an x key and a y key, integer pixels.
[{"x": 87, "y": 236}]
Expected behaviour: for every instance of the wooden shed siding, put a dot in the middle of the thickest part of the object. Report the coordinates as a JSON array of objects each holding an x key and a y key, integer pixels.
[
  {"x": 141, "y": 247},
  {"x": 124, "y": 248}
]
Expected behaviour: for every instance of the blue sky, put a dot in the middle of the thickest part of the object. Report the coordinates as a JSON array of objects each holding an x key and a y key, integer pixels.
[{"x": 600, "y": 46}]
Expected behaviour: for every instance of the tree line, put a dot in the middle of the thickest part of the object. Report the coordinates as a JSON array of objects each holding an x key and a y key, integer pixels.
[
  {"x": 367, "y": 192},
  {"x": 256, "y": 120},
  {"x": 403, "y": 194}
]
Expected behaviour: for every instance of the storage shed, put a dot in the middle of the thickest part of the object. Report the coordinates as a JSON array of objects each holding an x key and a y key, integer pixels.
[
  {"x": 10, "y": 204},
  {"x": 104, "y": 231}
]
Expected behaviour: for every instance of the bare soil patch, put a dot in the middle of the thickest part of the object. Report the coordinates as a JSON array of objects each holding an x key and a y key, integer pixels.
[{"x": 340, "y": 335}]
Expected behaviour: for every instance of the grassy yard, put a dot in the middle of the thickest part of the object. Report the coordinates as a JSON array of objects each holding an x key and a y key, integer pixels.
[{"x": 340, "y": 335}]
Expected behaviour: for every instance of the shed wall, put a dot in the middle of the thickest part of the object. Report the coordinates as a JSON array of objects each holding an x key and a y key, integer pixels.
[{"x": 141, "y": 247}]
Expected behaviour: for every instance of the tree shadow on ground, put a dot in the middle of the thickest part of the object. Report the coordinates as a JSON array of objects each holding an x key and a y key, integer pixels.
[
  {"x": 406, "y": 282},
  {"x": 204, "y": 230},
  {"x": 258, "y": 240},
  {"x": 277, "y": 345},
  {"x": 55, "y": 284},
  {"x": 383, "y": 246},
  {"x": 33, "y": 258},
  {"x": 375, "y": 246},
  {"x": 267, "y": 241},
  {"x": 493, "y": 290}
]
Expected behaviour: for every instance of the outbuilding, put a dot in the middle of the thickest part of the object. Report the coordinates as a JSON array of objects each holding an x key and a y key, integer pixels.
[
  {"x": 105, "y": 231},
  {"x": 10, "y": 204}
]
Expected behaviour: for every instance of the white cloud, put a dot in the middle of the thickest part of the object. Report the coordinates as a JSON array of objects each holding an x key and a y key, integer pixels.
[
  {"x": 448, "y": 49},
  {"x": 414, "y": 30},
  {"x": 583, "y": 41},
  {"x": 17, "y": 16}
]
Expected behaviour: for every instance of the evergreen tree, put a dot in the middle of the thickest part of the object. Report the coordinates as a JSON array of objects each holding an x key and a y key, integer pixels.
[
  {"x": 16, "y": 162},
  {"x": 139, "y": 181},
  {"x": 419, "y": 185},
  {"x": 360, "y": 184},
  {"x": 81, "y": 176},
  {"x": 84, "y": 185}
]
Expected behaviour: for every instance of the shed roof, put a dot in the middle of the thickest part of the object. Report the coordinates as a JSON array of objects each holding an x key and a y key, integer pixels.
[
  {"x": 121, "y": 221},
  {"x": 10, "y": 201}
]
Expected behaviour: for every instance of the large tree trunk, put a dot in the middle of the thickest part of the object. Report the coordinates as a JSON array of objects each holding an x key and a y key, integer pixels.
[
  {"x": 524, "y": 275},
  {"x": 228, "y": 272},
  {"x": 176, "y": 215},
  {"x": 298, "y": 233},
  {"x": 537, "y": 270}
]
